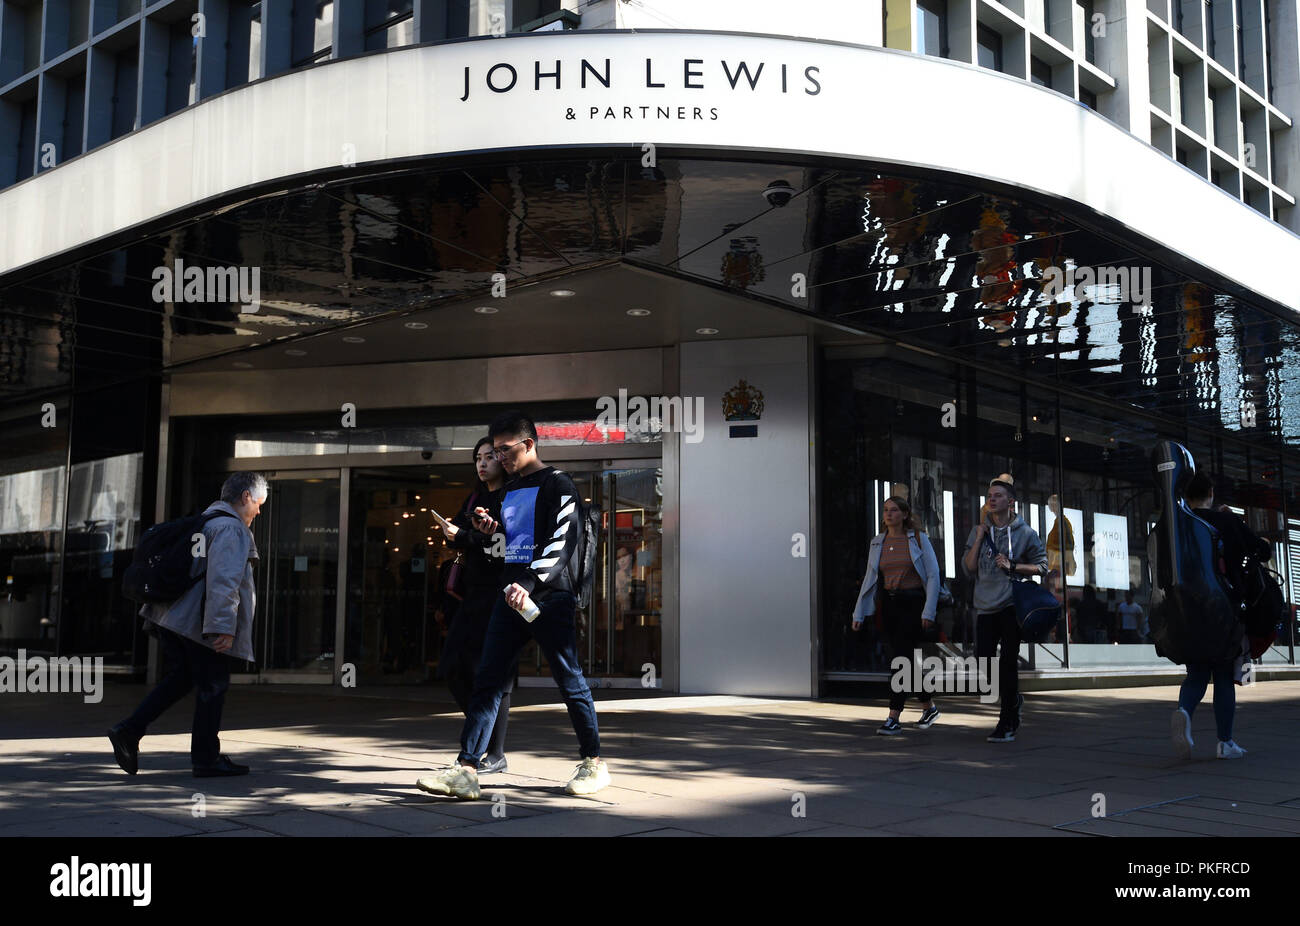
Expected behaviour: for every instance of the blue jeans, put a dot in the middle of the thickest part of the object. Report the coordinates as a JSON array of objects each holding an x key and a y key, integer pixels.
[
  {"x": 507, "y": 633},
  {"x": 1225, "y": 694}
]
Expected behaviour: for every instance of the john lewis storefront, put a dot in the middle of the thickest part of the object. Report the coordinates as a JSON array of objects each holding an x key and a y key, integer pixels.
[{"x": 863, "y": 275}]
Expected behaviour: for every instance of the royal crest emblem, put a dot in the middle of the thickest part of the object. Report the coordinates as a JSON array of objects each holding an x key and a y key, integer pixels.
[
  {"x": 742, "y": 265},
  {"x": 742, "y": 402}
]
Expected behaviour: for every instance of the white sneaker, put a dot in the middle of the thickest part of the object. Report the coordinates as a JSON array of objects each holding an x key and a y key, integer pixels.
[
  {"x": 455, "y": 780},
  {"x": 1180, "y": 733},
  {"x": 588, "y": 778},
  {"x": 1230, "y": 750}
]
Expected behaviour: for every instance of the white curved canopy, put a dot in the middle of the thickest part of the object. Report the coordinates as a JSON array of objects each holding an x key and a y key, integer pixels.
[{"x": 685, "y": 90}]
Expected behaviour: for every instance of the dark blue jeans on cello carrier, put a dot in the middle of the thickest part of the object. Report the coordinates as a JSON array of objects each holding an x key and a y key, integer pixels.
[
  {"x": 507, "y": 633},
  {"x": 1225, "y": 694}
]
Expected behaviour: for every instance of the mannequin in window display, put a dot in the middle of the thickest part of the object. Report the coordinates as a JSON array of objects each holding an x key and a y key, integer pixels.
[
  {"x": 624, "y": 574},
  {"x": 1060, "y": 547},
  {"x": 926, "y": 503}
]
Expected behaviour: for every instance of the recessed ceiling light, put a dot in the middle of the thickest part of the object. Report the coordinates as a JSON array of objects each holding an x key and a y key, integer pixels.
[
  {"x": 295, "y": 352},
  {"x": 353, "y": 339},
  {"x": 486, "y": 309},
  {"x": 416, "y": 326},
  {"x": 242, "y": 365},
  {"x": 563, "y": 293},
  {"x": 638, "y": 313},
  {"x": 706, "y": 330}
]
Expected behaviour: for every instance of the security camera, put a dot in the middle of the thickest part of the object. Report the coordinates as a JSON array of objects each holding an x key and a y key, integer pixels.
[
  {"x": 426, "y": 454},
  {"x": 778, "y": 193}
]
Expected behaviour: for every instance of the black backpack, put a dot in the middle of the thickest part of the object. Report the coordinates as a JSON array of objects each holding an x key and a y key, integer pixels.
[
  {"x": 584, "y": 554},
  {"x": 160, "y": 570},
  {"x": 1264, "y": 605}
]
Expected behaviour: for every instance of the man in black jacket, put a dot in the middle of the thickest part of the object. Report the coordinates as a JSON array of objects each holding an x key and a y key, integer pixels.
[{"x": 540, "y": 517}]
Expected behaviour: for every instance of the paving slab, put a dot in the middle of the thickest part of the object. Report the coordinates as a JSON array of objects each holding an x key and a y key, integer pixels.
[
  {"x": 1120, "y": 826},
  {"x": 314, "y": 823},
  {"x": 959, "y": 824},
  {"x": 331, "y": 764},
  {"x": 1049, "y": 810}
]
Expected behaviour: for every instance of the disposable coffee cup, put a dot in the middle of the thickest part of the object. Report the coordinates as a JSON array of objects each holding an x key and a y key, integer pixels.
[{"x": 529, "y": 611}]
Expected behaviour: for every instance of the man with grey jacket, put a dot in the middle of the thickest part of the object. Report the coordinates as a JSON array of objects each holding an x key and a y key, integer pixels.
[
  {"x": 1000, "y": 545},
  {"x": 202, "y": 629}
]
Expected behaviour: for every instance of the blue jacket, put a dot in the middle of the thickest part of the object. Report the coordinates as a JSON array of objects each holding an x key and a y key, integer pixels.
[{"x": 927, "y": 567}]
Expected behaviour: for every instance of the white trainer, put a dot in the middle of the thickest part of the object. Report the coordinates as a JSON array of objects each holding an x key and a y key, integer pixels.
[
  {"x": 455, "y": 781},
  {"x": 1230, "y": 750},
  {"x": 588, "y": 778},
  {"x": 1180, "y": 733}
]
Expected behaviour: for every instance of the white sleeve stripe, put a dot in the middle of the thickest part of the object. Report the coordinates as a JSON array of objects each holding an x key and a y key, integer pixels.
[
  {"x": 540, "y": 563},
  {"x": 553, "y": 547},
  {"x": 560, "y": 531},
  {"x": 564, "y": 499},
  {"x": 564, "y": 512}
]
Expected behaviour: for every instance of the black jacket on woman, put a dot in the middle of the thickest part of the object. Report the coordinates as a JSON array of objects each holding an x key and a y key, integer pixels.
[{"x": 481, "y": 569}]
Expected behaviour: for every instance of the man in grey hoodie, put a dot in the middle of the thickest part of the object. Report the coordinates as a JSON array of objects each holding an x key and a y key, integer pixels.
[
  {"x": 1018, "y": 550},
  {"x": 202, "y": 629}
]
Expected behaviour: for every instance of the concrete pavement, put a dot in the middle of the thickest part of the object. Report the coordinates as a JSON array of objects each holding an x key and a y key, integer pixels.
[{"x": 334, "y": 763}]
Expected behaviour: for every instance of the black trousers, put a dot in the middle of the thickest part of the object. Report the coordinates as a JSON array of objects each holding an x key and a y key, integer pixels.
[
  {"x": 188, "y": 665},
  {"x": 1000, "y": 628},
  {"x": 461, "y": 654},
  {"x": 900, "y": 615}
]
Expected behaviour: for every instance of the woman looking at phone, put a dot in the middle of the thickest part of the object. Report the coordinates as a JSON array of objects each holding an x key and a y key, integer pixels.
[
  {"x": 903, "y": 579},
  {"x": 470, "y": 532}
]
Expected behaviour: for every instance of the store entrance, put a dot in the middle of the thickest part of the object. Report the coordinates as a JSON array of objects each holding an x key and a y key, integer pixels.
[
  {"x": 396, "y": 608},
  {"x": 297, "y": 540}
]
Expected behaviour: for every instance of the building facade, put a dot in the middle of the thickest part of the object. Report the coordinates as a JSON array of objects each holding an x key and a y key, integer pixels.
[{"x": 750, "y": 277}]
